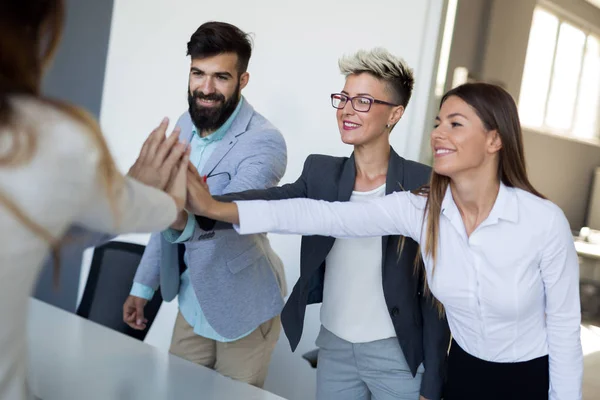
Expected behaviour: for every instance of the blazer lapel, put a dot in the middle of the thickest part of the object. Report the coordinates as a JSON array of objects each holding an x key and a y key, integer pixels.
[
  {"x": 347, "y": 178},
  {"x": 238, "y": 127},
  {"x": 394, "y": 182},
  {"x": 344, "y": 191}
]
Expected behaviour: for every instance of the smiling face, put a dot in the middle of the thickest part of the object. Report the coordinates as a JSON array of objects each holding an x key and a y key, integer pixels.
[
  {"x": 460, "y": 141},
  {"x": 359, "y": 128},
  {"x": 214, "y": 90}
]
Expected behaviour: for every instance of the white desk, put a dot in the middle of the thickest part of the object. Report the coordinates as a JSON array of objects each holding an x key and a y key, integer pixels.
[{"x": 73, "y": 358}]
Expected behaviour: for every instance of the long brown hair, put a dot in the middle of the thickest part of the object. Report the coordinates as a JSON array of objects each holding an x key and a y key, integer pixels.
[
  {"x": 498, "y": 111},
  {"x": 30, "y": 31}
]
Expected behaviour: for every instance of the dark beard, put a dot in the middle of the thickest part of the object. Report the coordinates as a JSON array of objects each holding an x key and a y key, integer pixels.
[{"x": 211, "y": 119}]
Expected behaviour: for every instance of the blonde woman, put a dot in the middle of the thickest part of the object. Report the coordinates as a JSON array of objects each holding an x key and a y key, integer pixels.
[
  {"x": 56, "y": 171},
  {"x": 380, "y": 337},
  {"x": 497, "y": 254}
]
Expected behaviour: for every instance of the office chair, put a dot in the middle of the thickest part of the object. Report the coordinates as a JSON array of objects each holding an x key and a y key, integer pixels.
[{"x": 111, "y": 275}]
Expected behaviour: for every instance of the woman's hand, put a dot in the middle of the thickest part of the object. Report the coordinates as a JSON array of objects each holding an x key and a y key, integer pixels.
[
  {"x": 159, "y": 157},
  {"x": 200, "y": 201}
]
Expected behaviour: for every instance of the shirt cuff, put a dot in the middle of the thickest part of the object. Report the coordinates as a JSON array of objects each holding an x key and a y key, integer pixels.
[
  {"x": 175, "y": 236},
  {"x": 141, "y": 290},
  {"x": 255, "y": 217}
]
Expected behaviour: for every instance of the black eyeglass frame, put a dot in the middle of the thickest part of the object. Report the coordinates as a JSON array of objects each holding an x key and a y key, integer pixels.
[
  {"x": 347, "y": 98},
  {"x": 210, "y": 174}
]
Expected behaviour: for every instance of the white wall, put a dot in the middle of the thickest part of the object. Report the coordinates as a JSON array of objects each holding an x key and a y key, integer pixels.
[{"x": 293, "y": 71}]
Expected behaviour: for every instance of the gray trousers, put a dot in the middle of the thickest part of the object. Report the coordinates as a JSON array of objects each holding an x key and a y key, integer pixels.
[{"x": 363, "y": 371}]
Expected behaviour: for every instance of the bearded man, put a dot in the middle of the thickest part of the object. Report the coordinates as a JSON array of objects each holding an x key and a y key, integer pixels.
[{"x": 230, "y": 288}]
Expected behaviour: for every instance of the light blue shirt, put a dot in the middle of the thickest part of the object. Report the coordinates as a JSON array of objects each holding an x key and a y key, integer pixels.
[{"x": 189, "y": 306}]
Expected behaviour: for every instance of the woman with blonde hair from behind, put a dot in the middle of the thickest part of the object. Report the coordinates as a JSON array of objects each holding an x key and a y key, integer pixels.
[
  {"x": 56, "y": 171},
  {"x": 497, "y": 254}
]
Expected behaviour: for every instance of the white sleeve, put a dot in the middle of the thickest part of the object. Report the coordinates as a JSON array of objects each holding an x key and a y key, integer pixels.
[
  {"x": 395, "y": 214},
  {"x": 560, "y": 274},
  {"x": 139, "y": 208}
]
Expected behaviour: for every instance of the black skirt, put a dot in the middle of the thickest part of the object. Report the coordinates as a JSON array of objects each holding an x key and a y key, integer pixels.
[{"x": 470, "y": 378}]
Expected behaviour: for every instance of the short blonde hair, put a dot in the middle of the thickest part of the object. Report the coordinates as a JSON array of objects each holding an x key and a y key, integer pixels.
[{"x": 384, "y": 66}]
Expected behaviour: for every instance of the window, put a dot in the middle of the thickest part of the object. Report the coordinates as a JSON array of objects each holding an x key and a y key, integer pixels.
[{"x": 560, "y": 91}]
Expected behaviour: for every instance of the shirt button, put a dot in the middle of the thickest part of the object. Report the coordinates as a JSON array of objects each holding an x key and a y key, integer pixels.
[{"x": 394, "y": 312}]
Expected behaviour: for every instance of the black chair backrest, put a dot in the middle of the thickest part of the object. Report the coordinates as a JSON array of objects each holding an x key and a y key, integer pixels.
[{"x": 111, "y": 275}]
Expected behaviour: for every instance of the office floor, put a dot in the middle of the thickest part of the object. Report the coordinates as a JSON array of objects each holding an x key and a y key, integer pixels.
[{"x": 590, "y": 341}]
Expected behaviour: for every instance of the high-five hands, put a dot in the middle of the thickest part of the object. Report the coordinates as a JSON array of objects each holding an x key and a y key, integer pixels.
[
  {"x": 162, "y": 163},
  {"x": 199, "y": 199}
]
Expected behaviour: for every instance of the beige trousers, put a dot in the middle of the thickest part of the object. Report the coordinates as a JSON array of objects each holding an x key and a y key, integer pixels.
[{"x": 246, "y": 359}]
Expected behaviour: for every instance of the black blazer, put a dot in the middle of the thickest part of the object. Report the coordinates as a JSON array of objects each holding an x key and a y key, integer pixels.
[{"x": 423, "y": 335}]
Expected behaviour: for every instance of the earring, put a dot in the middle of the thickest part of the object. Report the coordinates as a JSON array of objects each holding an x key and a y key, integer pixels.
[{"x": 387, "y": 126}]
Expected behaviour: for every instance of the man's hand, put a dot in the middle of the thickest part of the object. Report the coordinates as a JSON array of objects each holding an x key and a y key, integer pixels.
[
  {"x": 133, "y": 312},
  {"x": 158, "y": 157},
  {"x": 199, "y": 199}
]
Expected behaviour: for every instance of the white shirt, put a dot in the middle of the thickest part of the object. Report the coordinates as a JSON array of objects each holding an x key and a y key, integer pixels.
[
  {"x": 510, "y": 290},
  {"x": 354, "y": 307},
  {"x": 59, "y": 186}
]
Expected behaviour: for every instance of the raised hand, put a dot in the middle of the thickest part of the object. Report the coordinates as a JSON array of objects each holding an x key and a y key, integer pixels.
[
  {"x": 159, "y": 157},
  {"x": 177, "y": 185},
  {"x": 199, "y": 199}
]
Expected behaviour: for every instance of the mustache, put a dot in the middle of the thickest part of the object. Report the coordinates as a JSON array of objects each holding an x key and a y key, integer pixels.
[{"x": 212, "y": 96}]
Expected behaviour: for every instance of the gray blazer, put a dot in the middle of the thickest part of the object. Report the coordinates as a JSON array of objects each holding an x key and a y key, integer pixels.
[{"x": 239, "y": 280}]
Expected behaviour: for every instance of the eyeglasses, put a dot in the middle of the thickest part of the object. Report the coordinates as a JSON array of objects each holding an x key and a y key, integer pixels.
[
  {"x": 359, "y": 103},
  {"x": 210, "y": 174}
]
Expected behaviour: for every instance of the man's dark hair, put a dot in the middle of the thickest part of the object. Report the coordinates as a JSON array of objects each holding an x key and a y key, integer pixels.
[{"x": 214, "y": 38}]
